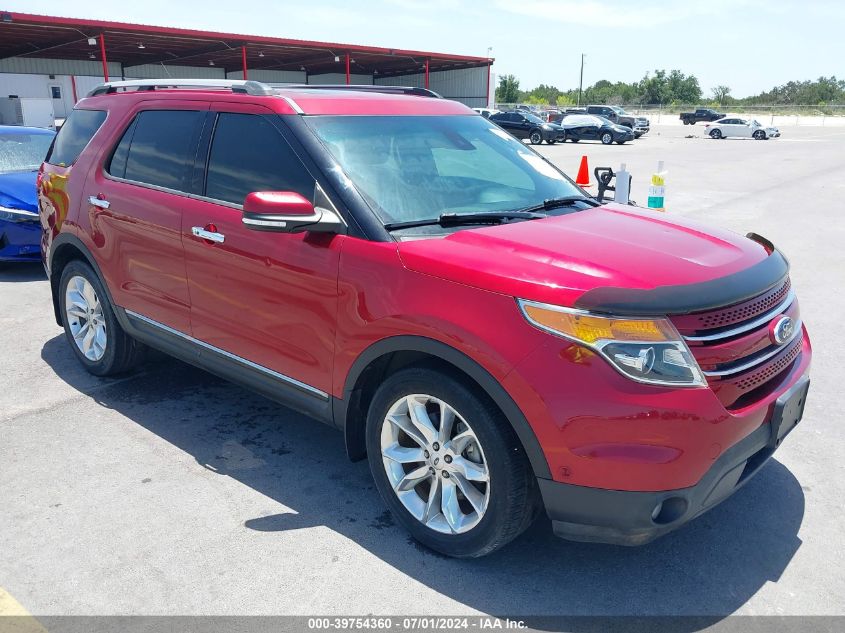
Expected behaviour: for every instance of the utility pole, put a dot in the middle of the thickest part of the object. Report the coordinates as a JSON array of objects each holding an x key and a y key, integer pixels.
[{"x": 581, "y": 82}]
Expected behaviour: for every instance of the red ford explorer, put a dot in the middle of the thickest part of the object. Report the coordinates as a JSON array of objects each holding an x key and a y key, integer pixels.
[{"x": 494, "y": 340}]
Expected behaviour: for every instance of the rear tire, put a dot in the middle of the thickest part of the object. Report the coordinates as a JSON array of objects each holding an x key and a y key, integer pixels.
[
  {"x": 716, "y": 134},
  {"x": 91, "y": 327},
  {"x": 478, "y": 452}
]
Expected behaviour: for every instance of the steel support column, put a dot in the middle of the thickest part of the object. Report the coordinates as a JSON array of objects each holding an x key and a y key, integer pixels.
[{"x": 103, "y": 55}]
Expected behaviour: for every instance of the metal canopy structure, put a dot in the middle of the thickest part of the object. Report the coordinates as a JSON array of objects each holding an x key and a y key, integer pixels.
[{"x": 25, "y": 35}]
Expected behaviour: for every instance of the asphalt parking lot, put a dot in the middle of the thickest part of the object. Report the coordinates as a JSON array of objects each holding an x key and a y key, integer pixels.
[{"x": 172, "y": 492}]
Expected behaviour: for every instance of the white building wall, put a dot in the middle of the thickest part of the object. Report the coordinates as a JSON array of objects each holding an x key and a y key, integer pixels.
[
  {"x": 41, "y": 66},
  {"x": 467, "y": 85},
  {"x": 270, "y": 76},
  {"x": 333, "y": 79},
  {"x": 161, "y": 71}
]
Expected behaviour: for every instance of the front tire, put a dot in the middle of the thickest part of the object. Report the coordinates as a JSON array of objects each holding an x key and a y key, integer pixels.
[
  {"x": 91, "y": 327},
  {"x": 551, "y": 141},
  {"x": 536, "y": 137},
  {"x": 760, "y": 135},
  {"x": 606, "y": 138},
  {"x": 448, "y": 464}
]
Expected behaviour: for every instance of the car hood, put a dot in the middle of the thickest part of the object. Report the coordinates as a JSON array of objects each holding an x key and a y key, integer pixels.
[
  {"x": 17, "y": 190},
  {"x": 557, "y": 259}
]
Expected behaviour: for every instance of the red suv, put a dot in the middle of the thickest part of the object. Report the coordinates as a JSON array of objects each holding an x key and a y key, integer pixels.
[{"x": 494, "y": 340}]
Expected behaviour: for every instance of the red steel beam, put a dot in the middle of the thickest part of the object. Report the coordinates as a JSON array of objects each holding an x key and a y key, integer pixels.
[
  {"x": 487, "y": 98},
  {"x": 105, "y": 61},
  {"x": 145, "y": 29},
  {"x": 426, "y": 74},
  {"x": 73, "y": 88},
  {"x": 347, "y": 69},
  {"x": 243, "y": 59}
]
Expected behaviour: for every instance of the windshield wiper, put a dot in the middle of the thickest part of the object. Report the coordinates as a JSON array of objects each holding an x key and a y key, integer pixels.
[
  {"x": 457, "y": 219},
  {"x": 554, "y": 203}
]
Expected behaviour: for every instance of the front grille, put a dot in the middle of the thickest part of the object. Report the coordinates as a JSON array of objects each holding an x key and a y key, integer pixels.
[
  {"x": 733, "y": 347},
  {"x": 734, "y": 314}
]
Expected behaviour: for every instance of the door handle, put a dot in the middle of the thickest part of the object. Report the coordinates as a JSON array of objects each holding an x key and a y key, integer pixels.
[
  {"x": 97, "y": 201},
  {"x": 211, "y": 236}
]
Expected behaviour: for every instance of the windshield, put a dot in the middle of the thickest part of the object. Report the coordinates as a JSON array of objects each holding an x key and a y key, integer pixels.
[
  {"x": 419, "y": 167},
  {"x": 21, "y": 151}
]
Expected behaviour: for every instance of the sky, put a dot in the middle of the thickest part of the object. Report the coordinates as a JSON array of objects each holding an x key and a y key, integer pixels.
[{"x": 748, "y": 45}]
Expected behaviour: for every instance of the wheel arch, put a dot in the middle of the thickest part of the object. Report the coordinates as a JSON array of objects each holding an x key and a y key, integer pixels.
[
  {"x": 391, "y": 354},
  {"x": 64, "y": 249}
]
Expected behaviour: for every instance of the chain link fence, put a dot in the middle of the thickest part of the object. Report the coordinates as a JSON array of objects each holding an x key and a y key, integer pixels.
[{"x": 833, "y": 115}]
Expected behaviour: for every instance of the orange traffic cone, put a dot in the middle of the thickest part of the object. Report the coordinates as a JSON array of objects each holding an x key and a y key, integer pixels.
[{"x": 583, "y": 179}]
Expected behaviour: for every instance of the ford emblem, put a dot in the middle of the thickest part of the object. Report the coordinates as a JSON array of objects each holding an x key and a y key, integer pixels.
[{"x": 781, "y": 330}]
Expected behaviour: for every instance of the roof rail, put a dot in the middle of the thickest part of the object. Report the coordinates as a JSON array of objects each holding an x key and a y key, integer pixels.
[
  {"x": 235, "y": 85},
  {"x": 398, "y": 90}
]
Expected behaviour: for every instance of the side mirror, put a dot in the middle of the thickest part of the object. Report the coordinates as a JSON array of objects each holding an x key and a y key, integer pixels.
[{"x": 287, "y": 212}]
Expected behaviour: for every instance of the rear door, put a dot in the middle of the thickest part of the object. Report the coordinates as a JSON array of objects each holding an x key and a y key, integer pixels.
[
  {"x": 134, "y": 204},
  {"x": 269, "y": 299}
]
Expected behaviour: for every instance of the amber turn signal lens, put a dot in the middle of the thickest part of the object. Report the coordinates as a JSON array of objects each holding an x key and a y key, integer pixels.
[{"x": 589, "y": 329}]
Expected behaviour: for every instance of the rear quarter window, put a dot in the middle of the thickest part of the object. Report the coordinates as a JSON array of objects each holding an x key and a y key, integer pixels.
[
  {"x": 158, "y": 148},
  {"x": 77, "y": 131}
]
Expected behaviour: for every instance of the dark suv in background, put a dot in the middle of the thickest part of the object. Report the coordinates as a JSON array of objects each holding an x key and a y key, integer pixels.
[
  {"x": 525, "y": 125},
  {"x": 640, "y": 125}
]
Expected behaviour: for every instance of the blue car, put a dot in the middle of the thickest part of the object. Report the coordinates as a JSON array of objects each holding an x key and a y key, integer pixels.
[{"x": 22, "y": 150}]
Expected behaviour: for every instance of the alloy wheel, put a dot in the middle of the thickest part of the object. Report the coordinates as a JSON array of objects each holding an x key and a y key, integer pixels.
[
  {"x": 85, "y": 318},
  {"x": 435, "y": 464}
]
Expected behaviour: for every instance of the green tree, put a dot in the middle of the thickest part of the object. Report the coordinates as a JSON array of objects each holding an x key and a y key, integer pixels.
[
  {"x": 508, "y": 89},
  {"x": 720, "y": 93}
]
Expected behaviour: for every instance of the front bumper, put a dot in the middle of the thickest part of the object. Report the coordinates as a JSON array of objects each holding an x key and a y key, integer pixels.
[
  {"x": 20, "y": 239},
  {"x": 624, "y": 517}
]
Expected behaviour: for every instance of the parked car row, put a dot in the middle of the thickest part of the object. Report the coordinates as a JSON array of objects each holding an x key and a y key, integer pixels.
[{"x": 572, "y": 127}]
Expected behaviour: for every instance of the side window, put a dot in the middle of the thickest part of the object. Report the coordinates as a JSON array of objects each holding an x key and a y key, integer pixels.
[
  {"x": 79, "y": 128},
  {"x": 117, "y": 163},
  {"x": 161, "y": 148},
  {"x": 249, "y": 154}
]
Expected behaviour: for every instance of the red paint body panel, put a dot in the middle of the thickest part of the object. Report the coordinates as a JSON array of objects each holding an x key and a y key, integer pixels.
[
  {"x": 267, "y": 297},
  {"x": 557, "y": 259},
  {"x": 600, "y": 429}
]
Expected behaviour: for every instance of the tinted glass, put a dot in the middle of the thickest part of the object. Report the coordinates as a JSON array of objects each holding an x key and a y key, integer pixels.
[
  {"x": 20, "y": 151},
  {"x": 249, "y": 154},
  {"x": 117, "y": 164},
  {"x": 417, "y": 167},
  {"x": 163, "y": 147},
  {"x": 77, "y": 130}
]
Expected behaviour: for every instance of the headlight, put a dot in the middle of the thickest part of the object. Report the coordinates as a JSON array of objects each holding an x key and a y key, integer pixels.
[
  {"x": 17, "y": 215},
  {"x": 546, "y": 126},
  {"x": 646, "y": 350}
]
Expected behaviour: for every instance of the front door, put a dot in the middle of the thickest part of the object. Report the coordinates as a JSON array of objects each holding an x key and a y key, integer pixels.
[{"x": 267, "y": 298}]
